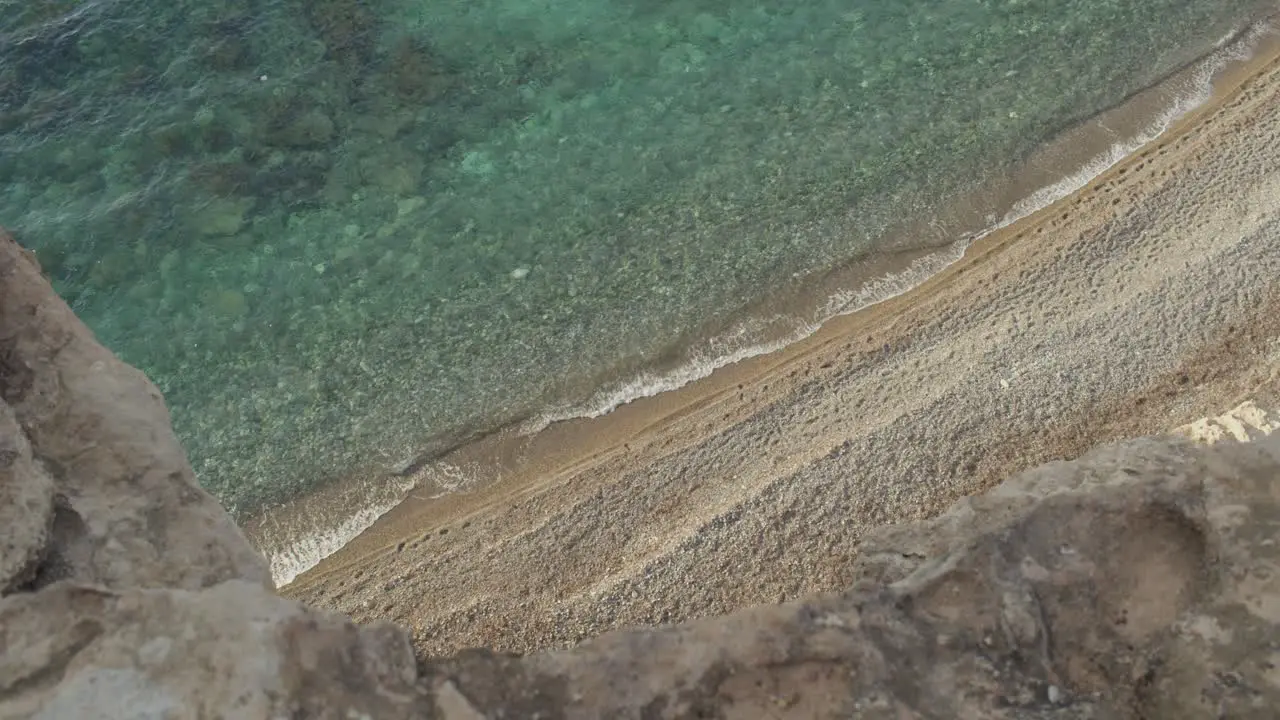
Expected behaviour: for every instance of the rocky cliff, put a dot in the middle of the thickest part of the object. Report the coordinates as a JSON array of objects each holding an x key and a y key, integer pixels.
[{"x": 1141, "y": 581}]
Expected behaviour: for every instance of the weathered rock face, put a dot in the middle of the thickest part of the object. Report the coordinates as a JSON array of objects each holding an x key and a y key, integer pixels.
[
  {"x": 234, "y": 650},
  {"x": 26, "y": 506},
  {"x": 94, "y": 484},
  {"x": 1141, "y": 581}
]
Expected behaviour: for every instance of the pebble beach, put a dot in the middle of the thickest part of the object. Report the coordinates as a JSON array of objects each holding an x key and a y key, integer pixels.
[{"x": 1136, "y": 304}]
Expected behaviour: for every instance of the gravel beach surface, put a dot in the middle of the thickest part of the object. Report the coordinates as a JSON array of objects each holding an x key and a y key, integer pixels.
[{"x": 1133, "y": 306}]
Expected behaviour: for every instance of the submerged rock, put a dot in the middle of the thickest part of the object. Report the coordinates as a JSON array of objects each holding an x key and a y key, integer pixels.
[
  {"x": 1142, "y": 580},
  {"x": 220, "y": 216},
  {"x": 311, "y": 129}
]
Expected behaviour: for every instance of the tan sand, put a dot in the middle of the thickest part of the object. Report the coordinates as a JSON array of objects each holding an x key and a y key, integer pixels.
[{"x": 1129, "y": 308}]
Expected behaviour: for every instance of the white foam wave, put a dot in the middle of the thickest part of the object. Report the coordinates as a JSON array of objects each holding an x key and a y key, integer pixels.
[
  {"x": 648, "y": 384},
  {"x": 292, "y": 550},
  {"x": 847, "y": 302},
  {"x": 1198, "y": 90},
  {"x": 295, "y": 543}
]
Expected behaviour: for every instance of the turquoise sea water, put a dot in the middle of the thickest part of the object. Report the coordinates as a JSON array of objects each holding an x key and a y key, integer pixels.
[{"x": 339, "y": 234}]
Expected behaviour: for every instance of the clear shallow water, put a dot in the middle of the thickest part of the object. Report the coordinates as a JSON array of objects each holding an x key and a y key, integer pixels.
[{"x": 340, "y": 233}]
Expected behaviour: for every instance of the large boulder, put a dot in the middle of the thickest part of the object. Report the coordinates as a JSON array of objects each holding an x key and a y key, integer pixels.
[{"x": 80, "y": 652}]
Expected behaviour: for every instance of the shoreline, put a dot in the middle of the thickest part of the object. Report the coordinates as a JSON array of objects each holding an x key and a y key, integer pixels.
[
  {"x": 1134, "y": 306},
  {"x": 560, "y": 441},
  {"x": 1127, "y": 308}
]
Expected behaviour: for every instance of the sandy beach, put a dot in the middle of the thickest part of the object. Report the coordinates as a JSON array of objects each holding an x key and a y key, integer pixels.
[{"x": 1137, "y": 304}]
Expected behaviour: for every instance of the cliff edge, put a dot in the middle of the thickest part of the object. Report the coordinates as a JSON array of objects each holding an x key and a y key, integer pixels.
[{"x": 1142, "y": 580}]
